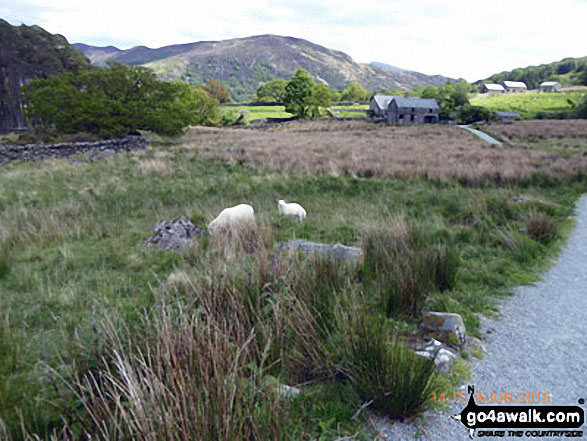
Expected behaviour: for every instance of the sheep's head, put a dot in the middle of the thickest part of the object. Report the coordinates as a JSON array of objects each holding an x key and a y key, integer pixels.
[{"x": 281, "y": 202}]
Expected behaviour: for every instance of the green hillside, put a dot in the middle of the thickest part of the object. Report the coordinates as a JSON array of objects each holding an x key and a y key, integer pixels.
[
  {"x": 243, "y": 64},
  {"x": 569, "y": 72},
  {"x": 529, "y": 105}
]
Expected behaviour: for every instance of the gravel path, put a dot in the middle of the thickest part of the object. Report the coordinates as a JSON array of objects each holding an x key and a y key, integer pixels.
[
  {"x": 538, "y": 345},
  {"x": 482, "y": 135}
]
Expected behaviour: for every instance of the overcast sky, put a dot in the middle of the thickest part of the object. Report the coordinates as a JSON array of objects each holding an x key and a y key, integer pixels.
[{"x": 471, "y": 39}]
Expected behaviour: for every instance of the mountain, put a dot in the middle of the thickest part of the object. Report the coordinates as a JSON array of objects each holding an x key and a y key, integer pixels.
[
  {"x": 28, "y": 52},
  {"x": 568, "y": 72},
  {"x": 389, "y": 66},
  {"x": 243, "y": 64}
]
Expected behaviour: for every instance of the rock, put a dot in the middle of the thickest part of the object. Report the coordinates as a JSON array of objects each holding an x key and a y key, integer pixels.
[
  {"x": 336, "y": 252},
  {"x": 475, "y": 345},
  {"x": 173, "y": 234},
  {"x": 444, "y": 360},
  {"x": 445, "y": 327},
  {"x": 287, "y": 392},
  {"x": 530, "y": 199}
]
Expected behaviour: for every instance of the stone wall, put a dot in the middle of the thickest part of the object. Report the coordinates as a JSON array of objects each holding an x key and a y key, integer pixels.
[{"x": 34, "y": 152}]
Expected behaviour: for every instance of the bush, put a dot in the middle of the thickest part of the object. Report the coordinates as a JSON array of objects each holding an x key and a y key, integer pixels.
[
  {"x": 384, "y": 371},
  {"x": 406, "y": 265},
  {"x": 115, "y": 101},
  {"x": 541, "y": 227}
]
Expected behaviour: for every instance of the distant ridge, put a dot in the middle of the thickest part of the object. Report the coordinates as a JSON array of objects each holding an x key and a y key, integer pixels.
[{"x": 243, "y": 64}]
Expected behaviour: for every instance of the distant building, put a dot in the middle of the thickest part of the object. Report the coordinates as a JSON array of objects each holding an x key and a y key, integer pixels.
[
  {"x": 404, "y": 110},
  {"x": 515, "y": 86},
  {"x": 492, "y": 88},
  {"x": 506, "y": 116},
  {"x": 550, "y": 86},
  {"x": 379, "y": 104}
]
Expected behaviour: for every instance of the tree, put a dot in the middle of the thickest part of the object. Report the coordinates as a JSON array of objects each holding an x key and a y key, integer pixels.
[
  {"x": 113, "y": 101},
  {"x": 217, "y": 90},
  {"x": 355, "y": 92},
  {"x": 320, "y": 99},
  {"x": 298, "y": 93},
  {"x": 272, "y": 91}
]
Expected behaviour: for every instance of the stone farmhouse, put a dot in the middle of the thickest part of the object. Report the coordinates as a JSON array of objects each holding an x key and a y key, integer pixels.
[
  {"x": 405, "y": 110},
  {"x": 378, "y": 105},
  {"x": 493, "y": 88},
  {"x": 515, "y": 86},
  {"x": 550, "y": 86}
]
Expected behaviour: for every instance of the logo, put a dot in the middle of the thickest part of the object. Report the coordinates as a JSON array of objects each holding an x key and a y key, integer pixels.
[{"x": 515, "y": 421}]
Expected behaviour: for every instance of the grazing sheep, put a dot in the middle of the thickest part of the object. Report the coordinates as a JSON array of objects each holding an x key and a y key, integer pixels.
[
  {"x": 232, "y": 216},
  {"x": 292, "y": 210}
]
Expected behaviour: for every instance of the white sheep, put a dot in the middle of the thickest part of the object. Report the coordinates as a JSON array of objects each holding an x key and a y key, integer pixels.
[
  {"x": 291, "y": 209},
  {"x": 232, "y": 216}
]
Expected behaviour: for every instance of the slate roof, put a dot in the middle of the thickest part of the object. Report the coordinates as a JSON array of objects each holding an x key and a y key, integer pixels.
[
  {"x": 421, "y": 103},
  {"x": 496, "y": 87},
  {"x": 383, "y": 101},
  {"x": 515, "y": 84}
]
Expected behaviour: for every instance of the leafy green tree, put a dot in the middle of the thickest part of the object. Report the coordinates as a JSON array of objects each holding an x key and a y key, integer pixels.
[
  {"x": 217, "y": 90},
  {"x": 298, "y": 94},
  {"x": 272, "y": 91},
  {"x": 355, "y": 92},
  {"x": 114, "y": 101},
  {"x": 449, "y": 97},
  {"x": 320, "y": 99}
]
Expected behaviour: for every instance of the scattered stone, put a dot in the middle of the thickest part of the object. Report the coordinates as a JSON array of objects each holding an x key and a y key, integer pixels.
[
  {"x": 444, "y": 360},
  {"x": 530, "y": 199},
  {"x": 474, "y": 344},
  {"x": 336, "y": 252},
  {"x": 287, "y": 392},
  {"x": 173, "y": 234},
  {"x": 445, "y": 327}
]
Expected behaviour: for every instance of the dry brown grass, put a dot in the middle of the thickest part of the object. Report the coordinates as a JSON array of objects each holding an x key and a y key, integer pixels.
[
  {"x": 155, "y": 167},
  {"x": 365, "y": 149},
  {"x": 540, "y": 129}
]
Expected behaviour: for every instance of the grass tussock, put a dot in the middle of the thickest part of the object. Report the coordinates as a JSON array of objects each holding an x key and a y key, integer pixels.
[
  {"x": 407, "y": 266},
  {"x": 388, "y": 375},
  {"x": 540, "y": 226}
]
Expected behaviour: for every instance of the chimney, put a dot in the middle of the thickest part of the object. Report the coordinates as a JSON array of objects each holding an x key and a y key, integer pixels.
[{"x": 406, "y": 95}]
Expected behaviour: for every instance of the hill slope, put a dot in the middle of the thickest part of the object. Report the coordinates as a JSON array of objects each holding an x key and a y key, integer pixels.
[
  {"x": 569, "y": 72},
  {"x": 28, "y": 52},
  {"x": 242, "y": 64}
]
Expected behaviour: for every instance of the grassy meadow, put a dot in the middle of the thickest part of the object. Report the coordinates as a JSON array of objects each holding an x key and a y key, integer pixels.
[
  {"x": 528, "y": 105},
  {"x": 101, "y": 337},
  {"x": 252, "y": 113}
]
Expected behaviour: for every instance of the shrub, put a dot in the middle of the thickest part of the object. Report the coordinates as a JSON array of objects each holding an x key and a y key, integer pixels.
[
  {"x": 406, "y": 265},
  {"x": 541, "y": 227},
  {"x": 385, "y": 372}
]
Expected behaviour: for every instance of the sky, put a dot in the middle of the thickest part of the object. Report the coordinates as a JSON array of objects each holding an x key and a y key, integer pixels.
[{"x": 468, "y": 39}]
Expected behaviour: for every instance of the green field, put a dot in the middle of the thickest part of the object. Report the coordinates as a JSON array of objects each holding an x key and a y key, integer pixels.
[
  {"x": 256, "y": 112},
  {"x": 528, "y": 105},
  {"x": 259, "y": 112},
  {"x": 79, "y": 295}
]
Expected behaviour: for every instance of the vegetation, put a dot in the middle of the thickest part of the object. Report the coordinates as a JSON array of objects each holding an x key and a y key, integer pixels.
[
  {"x": 272, "y": 91},
  {"x": 102, "y": 336},
  {"x": 355, "y": 92},
  {"x": 534, "y": 105},
  {"x": 569, "y": 71},
  {"x": 217, "y": 90},
  {"x": 303, "y": 98},
  {"x": 115, "y": 101}
]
